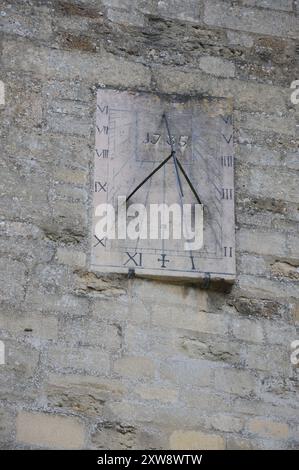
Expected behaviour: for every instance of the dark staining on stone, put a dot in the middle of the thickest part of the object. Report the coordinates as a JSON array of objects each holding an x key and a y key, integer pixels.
[
  {"x": 269, "y": 204},
  {"x": 82, "y": 43},
  {"x": 270, "y": 59},
  {"x": 120, "y": 436},
  {"x": 285, "y": 270},
  {"x": 70, "y": 9},
  {"x": 257, "y": 307},
  {"x": 164, "y": 41},
  {"x": 199, "y": 345},
  {"x": 175, "y": 42},
  {"x": 61, "y": 235},
  {"x": 95, "y": 283},
  {"x": 248, "y": 207}
]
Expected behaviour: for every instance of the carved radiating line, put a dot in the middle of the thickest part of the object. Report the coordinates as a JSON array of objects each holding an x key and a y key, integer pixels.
[
  {"x": 146, "y": 201},
  {"x": 212, "y": 164},
  {"x": 199, "y": 157},
  {"x": 212, "y": 168},
  {"x": 212, "y": 201},
  {"x": 173, "y": 152}
]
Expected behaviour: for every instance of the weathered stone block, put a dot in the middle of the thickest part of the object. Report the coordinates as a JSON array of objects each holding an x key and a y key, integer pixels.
[
  {"x": 197, "y": 345},
  {"x": 6, "y": 428},
  {"x": 69, "y": 221},
  {"x": 135, "y": 367},
  {"x": 73, "y": 108},
  {"x": 219, "y": 13},
  {"x": 268, "y": 359},
  {"x": 182, "y": 295},
  {"x": 293, "y": 246},
  {"x": 189, "y": 10},
  {"x": 256, "y": 155},
  {"x": 195, "y": 440},
  {"x": 73, "y": 176},
  {"x": 279, "y": 184},
  {"x": 114, "y": 436},
  {"x": 79, "y": 359},
  {"x": 254, "y": 265},
  {"x": 265, "y": 122},
  {"x": 192, "y": 372},
  {"x": 126, "y": 17},
  {"x": 249, "y": 96},
  {"x": 157, "y": 341},
  {"x": 95, "y": 284},
  {"x": 84, "y": 395},
  {"x": 87, "y": 332},
  {"x": 44, "y": 301},
  {"x": 77, "y": 259},
  {"x": 237, "y": 443},
  {"x": 226, "y": 423},
  {"x": 263, "y": 288},
  {"x": 65, "y": 124},
  {"x": 33, "y": 325},
  {"x": 12, "y": 281},
  {"x": 21, "y": 359},
  {"x": 79, "y": 93},
  {"x": 258, "y": 307},
  {"x": 71, "y": 65},
  {"x": 248, "y": 330},
  {"x": 107, "y": 387},
  {"x": 54, "y": 432},
  {"x": 284, "y": 270},
  {"x": 295, "y": 311},
  {"x": 268, "y": 428},
  {"x": 161, "y": 394},
  {"x": 26, "y": 21},
  {"x": 217, "y": 66},
  {"x": 285, "y": 5},
  {"x": 206, "y": 400},
  {"x": 174, "y": 317},
  {"x": 239, "y": 382}
]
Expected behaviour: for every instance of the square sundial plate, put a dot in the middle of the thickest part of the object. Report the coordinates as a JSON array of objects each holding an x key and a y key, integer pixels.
[{"x": 131, "y": 141}]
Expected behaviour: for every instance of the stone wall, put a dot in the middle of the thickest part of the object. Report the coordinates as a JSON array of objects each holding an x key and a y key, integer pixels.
[{"x": 105, "y": 362}]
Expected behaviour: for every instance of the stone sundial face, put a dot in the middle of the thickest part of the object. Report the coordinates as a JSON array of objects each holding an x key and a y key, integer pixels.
[{"x": 135, "y": 133}]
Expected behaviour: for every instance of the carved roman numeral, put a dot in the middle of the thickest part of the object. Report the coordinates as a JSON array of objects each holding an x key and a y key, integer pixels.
[
  {"x": 136, "y": 258},
  {"x": 192, "y": 263},
  {"x": 103, "y": 130},
  {"x": 104, "y": 153},
  {"x": 227, "y": 161},
  {"x": 103, "y": 109},
  {"x": 227, "y": 193},
  {"x": 227, "y": 119},
  {"x": 227, "y": 139},
  {"x": 228, "y": 251},
  {"x": 101, "y": 241},
  {"x": 98, "y": 187}
]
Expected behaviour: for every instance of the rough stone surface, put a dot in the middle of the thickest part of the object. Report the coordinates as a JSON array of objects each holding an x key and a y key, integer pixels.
[
  {"x": 195, "y": 440},
  {"x": 101, "y": 361},
  {"x": 49, "y": 431}
]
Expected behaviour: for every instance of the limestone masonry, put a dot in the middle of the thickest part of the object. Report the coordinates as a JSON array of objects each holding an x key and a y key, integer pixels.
[{"x": 103, "y": 361}]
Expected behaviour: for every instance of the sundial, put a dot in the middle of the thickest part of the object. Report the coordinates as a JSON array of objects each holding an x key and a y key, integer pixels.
[{"x": 154, "y": 149}]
